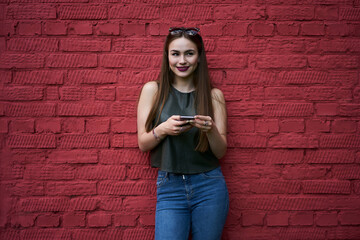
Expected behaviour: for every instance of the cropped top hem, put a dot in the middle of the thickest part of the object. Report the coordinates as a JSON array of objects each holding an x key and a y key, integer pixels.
[{"x": 203, "y": 170}]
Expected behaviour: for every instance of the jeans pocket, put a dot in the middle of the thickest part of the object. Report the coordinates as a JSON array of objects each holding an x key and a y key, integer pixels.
[
  {"x": 216, "y": 173},
  {"x": 161, "y": 179}
]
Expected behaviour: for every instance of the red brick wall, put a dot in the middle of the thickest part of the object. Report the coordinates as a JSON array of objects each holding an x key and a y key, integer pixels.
[{"x": 71, "y": 71}]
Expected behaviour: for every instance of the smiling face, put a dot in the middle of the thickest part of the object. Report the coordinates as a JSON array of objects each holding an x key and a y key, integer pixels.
[{"x": 183, "y": 58}]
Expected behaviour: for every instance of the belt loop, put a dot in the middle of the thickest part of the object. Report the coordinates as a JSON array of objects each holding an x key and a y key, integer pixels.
[{"x": 167, "y": 175}]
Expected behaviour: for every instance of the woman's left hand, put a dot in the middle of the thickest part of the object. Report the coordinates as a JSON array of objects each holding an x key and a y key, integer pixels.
[{"x": 204, "y": 123}]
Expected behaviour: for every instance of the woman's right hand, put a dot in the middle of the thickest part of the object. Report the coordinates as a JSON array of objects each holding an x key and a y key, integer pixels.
[{"x": 173, "y": 126}]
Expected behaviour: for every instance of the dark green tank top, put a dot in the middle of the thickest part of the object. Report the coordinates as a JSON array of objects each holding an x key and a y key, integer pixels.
[{"x": 177, "y": 154}]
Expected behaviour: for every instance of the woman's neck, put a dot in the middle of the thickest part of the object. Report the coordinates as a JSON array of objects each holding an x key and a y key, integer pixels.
[{"x": 184, "y": 85}]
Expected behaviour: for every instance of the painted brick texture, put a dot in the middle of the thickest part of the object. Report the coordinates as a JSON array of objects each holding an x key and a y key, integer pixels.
[{"x": 70, "y": 75}]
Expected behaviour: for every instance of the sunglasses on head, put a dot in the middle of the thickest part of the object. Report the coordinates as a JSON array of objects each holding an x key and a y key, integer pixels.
[{"x": 188, "y": 31}]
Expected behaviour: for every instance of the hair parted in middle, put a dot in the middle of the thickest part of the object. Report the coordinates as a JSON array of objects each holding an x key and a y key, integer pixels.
[{"x": 202, "y": 84}]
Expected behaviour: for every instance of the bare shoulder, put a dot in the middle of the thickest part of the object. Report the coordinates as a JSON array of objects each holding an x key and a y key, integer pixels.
[
  {"x": 217, "y": 95},
  {"x": 150, "y": 88}
]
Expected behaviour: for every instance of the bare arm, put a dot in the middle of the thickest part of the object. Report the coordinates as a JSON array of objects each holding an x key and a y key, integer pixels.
[
  {"x": 172, "y": 126},
  {"x": 215, "y": 128}
]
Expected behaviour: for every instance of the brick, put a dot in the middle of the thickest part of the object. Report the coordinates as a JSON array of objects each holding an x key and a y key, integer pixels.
[
  {"x": 83, "y": 203},
  {"x": 253, "y": 218},
  {"x": 140, "y": 172},
  {"x": 251, "y": 172},
  {"x": 125, "y": 220},
  {"x": 340, "y": 141},
  {"x": 288, "y": 156},
  {"x": 71, "y": 188},
  {"x": 74, "y": 220},
  {"x": 38, "y": 77},
  {"x": 4, "y": 126},
  {"x": 138, "y": 234},
  {"x": 21, "y": 93},
  {"x": 128, "y": 93},
  {"x": 92, "y": 77},
  {"x": 195, "y": 12},
  {"x": 130, "y": 141},
  {"x": 8, "y": 60},
  {"x": 352, "y": 14},
  {"x": 293, "y": 173},
  {"x": 303, "y": 77},
  {"x": 277, "y": 219},
  {"x": 80, "y": 28},
  {"x": 111, "y": 203},
  {"x": 52, "y": 93},
  {"x": 284, "y": 93},
  {"x": 350, "y": 109},
  {"x": 133, "y": 29},
  {"x": 27, "y": 188},
  {"x": 267, "y": 125},
  {"x": 21, "y": 126},
  {"x": 122, "y": 60},
  {"x": 73, "y": 156},
  {"x": 325, "y": 219},
  {"x": 84, "y": 141},
  {"x": 137, "y": 77},
  {"x": 288, "y": 109},
  {"x": 48, "y": 126},
  {"x": 317, "y": 125},
  {"x": 236, "y": 93},
  {"x": 140, "y": 204},
  {"x": 349, "y": 217},
  {"x": 71, "y": 60},
  {"x": 107, "y": 29},
  {"x": 23, "y": 220},
  {"x": 247, "y": 141},
  {"x": 97, "y": 126},
  {"x": 240, "y": 125},
  {"x": 80, "y": 109},
  {"x": 48, "y": 220},
  {"x": 77, "y": 93},
  {"x": 244, "y": 109},
  {"x": 302, "y": 233},
  {"x": 31, "y": 141},
  {"x": 73, "y": 125},
  {"x": 117, "y": 141},
  {"x": 326, "y": 187},
  {"x": 243, "y": 156},
  {"x": 346, "y": 172},
  {"x": 357, "y": 187},
  {"x": 123, "y": 109},
  {"x": 31, "y": 12},
  {"x": 35, "y": 204},
  {"x": 326, "y": 13},
  {"x": 337, "y": 29},
  {"x": 29, "y": 28},
  {"x": 295, "y": 125},
  {"x": 85, "y": 45},
  {"x": 348, "y": 232},
  {"x": 329, "y": 156},
  {"x": 262, "y": 29},
  {"x": 344, "y": 126},
  {"x": 312, "y": 29},
  {"x": 97, "y": 234},
  {"x": 237, "y": 12},
  {"x": 123, "y": 125},
  {"x": 288, "y": 47},
  {"x": 45, "y": 234},
  {"x": 32, "y": 44},
  {"x": 47, "y": 172},
  {"x": 83, "y": 12},
  {"x": 280, "y": 61},
  {"x": 134, "y": 12},
  {"x": 290, "y": 13},
  {"x": 101, "y": 172},
  {"x": 327, "y": 109},
  {"x": 212, "y": 29},
  {"x": 241, "y": 45},
  {"x": 235, "y": 29},
  {"x": 274, "y": 186},
  {"x": 55, "y": 28},
  {"x": 147, "y": 220},
  {"x": 26, "y": 156},
  {"x": 302, "y": 219},
  {"x": 287, "y": 29},
  {"x": 334, "y": 62},
  {"x": 229, "y": 61},
  {"x": 8, "y": 28},
  {"x": 99, "y": 219},
  {"x": 292, "y": 140},
  {"x": 123, "y": 156}
]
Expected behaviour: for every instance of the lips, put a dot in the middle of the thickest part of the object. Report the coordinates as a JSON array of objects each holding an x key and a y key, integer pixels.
[{"x": 182, "y": 69}]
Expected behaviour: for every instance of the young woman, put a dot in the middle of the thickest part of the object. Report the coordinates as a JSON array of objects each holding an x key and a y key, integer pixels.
[{"x": 191, "y": 192}]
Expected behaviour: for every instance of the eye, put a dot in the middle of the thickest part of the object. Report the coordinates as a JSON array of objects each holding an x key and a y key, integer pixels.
[
  {"x": 190, "y": 53},
  {"x": 174, "y": 54}
]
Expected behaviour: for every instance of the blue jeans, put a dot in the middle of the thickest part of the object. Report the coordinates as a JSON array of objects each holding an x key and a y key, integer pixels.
[{"x": 199, "y": 202}]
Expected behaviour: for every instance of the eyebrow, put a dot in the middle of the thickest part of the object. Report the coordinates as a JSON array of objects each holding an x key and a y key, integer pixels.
[{"x": 189, "y": 50}]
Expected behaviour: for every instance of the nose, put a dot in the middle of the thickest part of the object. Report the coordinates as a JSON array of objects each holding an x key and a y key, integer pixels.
[{"x": 182, "y": 59}]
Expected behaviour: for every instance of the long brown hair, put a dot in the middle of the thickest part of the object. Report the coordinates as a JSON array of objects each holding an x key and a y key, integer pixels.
[{"x": 202, "y": 86}]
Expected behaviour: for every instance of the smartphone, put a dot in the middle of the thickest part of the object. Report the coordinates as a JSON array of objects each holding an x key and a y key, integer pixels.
[{"x": 182, "y": 118}]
